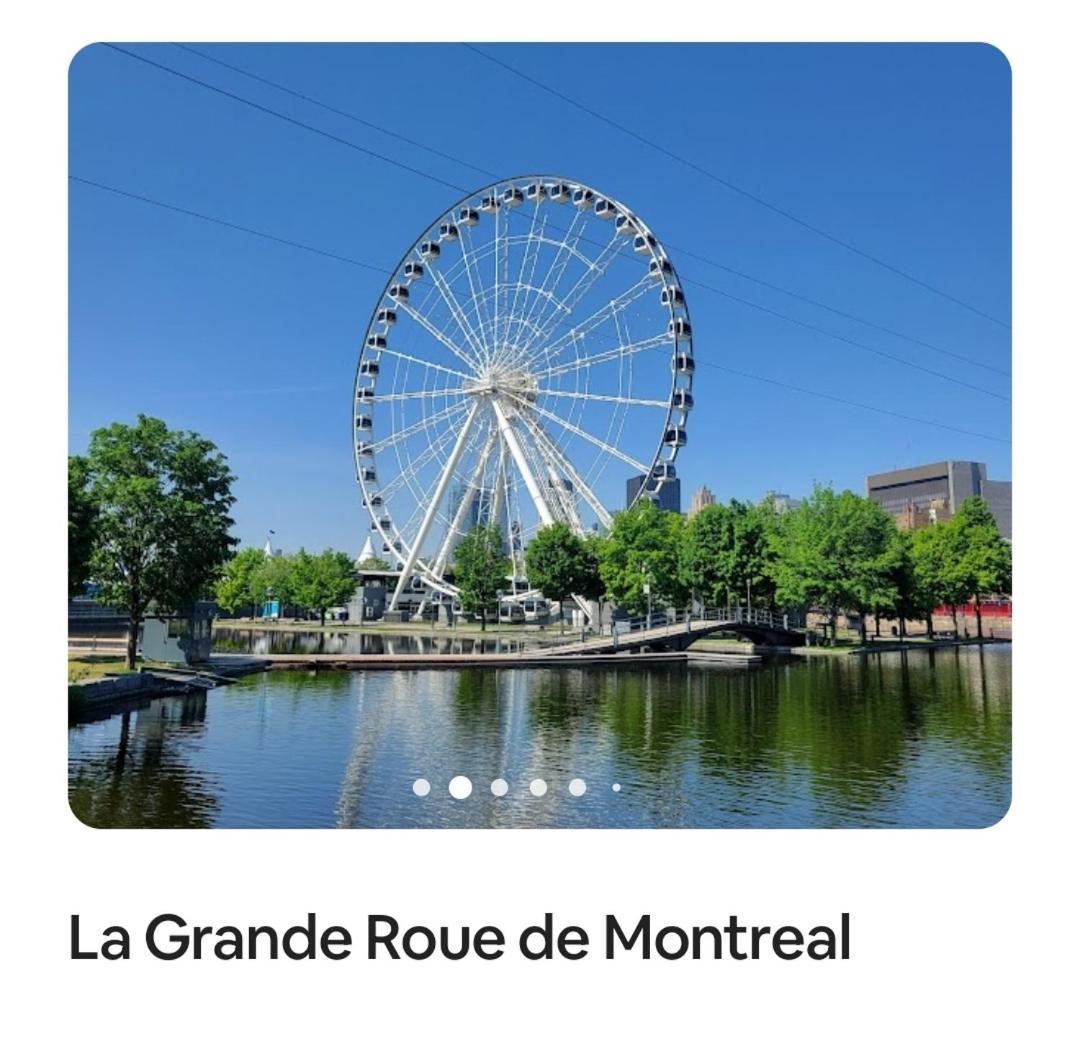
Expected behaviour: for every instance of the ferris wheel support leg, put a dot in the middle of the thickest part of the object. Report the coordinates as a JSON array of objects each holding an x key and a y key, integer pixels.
[
  {"x": 436, "y": 499},
  {"x": 512, "y": 444}
]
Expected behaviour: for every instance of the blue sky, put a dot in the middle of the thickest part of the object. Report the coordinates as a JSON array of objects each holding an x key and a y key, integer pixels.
[{"x": 901, "y": 150}]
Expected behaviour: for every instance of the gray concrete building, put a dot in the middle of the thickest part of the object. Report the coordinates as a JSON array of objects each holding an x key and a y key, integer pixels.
[{"x": 929, "y": 493}]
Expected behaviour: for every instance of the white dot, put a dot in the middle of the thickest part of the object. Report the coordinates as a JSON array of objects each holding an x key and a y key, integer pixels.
[
  {"x": 499, "y": 787},
  {"x": 577, "y": 787},
  {"x": 616, "y": 787},
  {"x": 538, "y": 788},
  {"x": 421, "y": 788},
  {"x": 460, "y": 787}
]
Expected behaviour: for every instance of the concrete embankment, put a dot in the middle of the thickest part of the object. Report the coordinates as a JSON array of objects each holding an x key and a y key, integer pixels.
[
  {"x": 498, "y": 661},
  {"x": 118, "y": 689}
]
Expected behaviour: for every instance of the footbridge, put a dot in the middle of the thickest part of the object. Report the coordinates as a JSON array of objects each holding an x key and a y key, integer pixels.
[{"x": 663, "y": 631}]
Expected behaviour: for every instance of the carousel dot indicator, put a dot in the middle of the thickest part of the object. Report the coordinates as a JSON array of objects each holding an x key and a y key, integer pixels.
[
  {"x": 499, "y": 787},
  {"x": 538, "y": 788},
  {"x": 616, "y": 787},
  {"x": 577, "y": 787},
  {"x": 421, "y": 788},
  {"x": 460, "y": 787}
]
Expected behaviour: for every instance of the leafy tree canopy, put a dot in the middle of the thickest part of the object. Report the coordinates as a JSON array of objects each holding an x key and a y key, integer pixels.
[
  {"x": 238, "y": 586},
  {"x": 726, "y": 545},
  {"x": 81, "y": 520},
  {"x": 481, "y": 567},
  {"x": 834, "y": 550},
  {"x": 161, "y": 532},
  {"x": 321, "y": 581},
  {"x": 643, "y": 548}
]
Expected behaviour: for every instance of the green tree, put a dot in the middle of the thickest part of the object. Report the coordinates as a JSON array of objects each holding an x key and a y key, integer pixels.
[
  {"x": 833, "y": 550},
  {"x": 934, "y": 577},
  {"x": 562, "y": 564},
  {"x": 81, "y": 522},
  {"x": 374, "y": 563},
  {"x": 642, "y": 548},
  {"x": 238, "y": 586},
  {"x": 275, "y": 580},
  {"x": 162, "y": 527},
  {"x": 727, "y": 549},
  {"x": 590, "y": 582},
  {"x": 481, "y": 569},
  {"x": 980, "y": 559},
  {"x": 321, "y": 581}
]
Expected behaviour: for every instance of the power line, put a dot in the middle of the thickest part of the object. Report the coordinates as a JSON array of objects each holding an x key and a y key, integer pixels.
[
  {"x": 364, "y": 264},
  {"x": 837, "y": 311},
  {"x": 337, "y": 112},
  {"x": 847, "y": 340},
  {"x": 230, "y": 224},
  {"x": 850, "y": 402},
  {"x": 421, "y": 173},
  {"x": 289, "y": 119},
  {"x": 731, "y": 186}
]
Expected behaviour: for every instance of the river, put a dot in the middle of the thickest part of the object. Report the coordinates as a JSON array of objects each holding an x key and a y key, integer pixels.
[{"x": 914, "y": 739}]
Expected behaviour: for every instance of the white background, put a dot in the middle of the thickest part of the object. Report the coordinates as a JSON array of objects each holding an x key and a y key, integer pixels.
[{"x": 956, "y": 935}]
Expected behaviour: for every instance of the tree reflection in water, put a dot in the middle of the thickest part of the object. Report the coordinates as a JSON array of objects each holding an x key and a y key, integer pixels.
[
  {"x": 897, "y": 739},
  {"x": 145, "y": 781}
]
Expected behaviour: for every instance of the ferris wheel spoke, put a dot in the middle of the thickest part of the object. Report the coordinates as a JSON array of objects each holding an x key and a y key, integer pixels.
[
  {"x": 622, "y": 400},
  {"x": 607, "y": 311},
  {"x": 418, "y": 426},
  {"x": 585, "y": 283},
  {"x": 649, "y": 344},
  {"x": 531, "y": 246},
  {"x": 465, "y": 238},
  {"x": 419, "y": 461},
  {"x": 459, "y": 317},
  {"x": 435, "y": 332},
  {"x": 435, "y": 393},
  {"x": 587, "y": 436},
  {"x": 560, "y": 259},
  {"x": 424, "y": 362}
]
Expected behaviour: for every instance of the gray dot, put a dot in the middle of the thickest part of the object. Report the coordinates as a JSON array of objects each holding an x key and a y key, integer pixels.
[
  {"x": 499, "y": 787},
  {"x": 421, "y": 788},
  {"x": 577, "y": 787},
  {"x": 538, "y": 788},
  {"x": 616, "y": 787},
  {"x": 460, "y": 787}
]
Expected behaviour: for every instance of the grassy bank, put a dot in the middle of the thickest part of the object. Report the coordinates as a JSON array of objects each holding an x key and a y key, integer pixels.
[{"x": 92, "y": 666}]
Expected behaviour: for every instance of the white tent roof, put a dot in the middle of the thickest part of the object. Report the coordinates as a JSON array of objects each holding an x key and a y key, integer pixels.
[{"x": 366, "y": 552}]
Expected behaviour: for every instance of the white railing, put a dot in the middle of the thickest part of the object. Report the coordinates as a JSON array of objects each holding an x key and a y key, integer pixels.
[{"x": 663, "y": 623}]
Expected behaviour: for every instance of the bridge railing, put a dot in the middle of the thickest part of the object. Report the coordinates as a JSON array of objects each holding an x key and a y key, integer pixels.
[{"x": 662, "y": 623}]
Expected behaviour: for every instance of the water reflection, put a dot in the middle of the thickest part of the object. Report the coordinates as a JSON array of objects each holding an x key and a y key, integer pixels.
[
  {"x": 898, "y": 739},
  {"x": 367, "y": 643}
]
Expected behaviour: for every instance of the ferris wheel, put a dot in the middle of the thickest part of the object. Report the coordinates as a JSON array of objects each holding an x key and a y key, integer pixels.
[{"x": 528, "y": 362}]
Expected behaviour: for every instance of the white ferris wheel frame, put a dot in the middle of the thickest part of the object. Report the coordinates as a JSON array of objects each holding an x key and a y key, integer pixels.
[{"x": 518, "y": 432}]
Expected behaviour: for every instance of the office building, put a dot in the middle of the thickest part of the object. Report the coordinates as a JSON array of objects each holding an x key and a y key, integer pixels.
[
  {"x": 781, "y": 503},
  {"x": 920, "y": 496},
  {"x": 702, "y": 498},
  {"x": 669, "y": 497}
]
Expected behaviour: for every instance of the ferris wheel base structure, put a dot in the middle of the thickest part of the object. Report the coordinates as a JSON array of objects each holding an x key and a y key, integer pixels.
[{"x": 531, "y": 351}]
